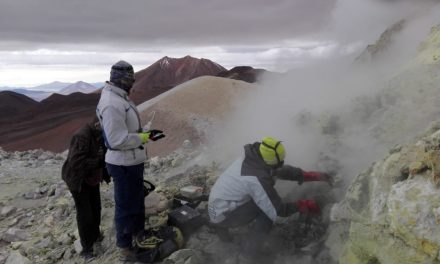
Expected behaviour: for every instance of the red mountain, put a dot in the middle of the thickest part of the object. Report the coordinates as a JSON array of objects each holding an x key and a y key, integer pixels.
[
  {"x": 50, "y": 124},
  {"x": 167, "y": 72},
  {"x": 243, "y": 73},
  {"x": 13, "y": 104}
]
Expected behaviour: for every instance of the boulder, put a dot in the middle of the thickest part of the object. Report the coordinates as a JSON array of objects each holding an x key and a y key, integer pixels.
[
  {"x": 391, "y": 211},
  {"x": 3, "y": 257},
  {"x": 49, "y": 221},
  {"x": 77, "y": 245},
  {"x": 155, "y": 203},
  {"x": 16, "y": 258},
  {"x": 15, "y": 234},
  {"x": 8, "y": 210}
]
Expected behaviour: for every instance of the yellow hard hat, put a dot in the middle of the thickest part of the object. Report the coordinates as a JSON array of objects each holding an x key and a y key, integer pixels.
[{"x": 272, "y": 151}]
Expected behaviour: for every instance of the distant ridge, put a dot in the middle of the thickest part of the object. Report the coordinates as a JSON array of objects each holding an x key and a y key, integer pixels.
[
  {"x": 243, "y": 73},
  {"x": 80, "y": 86}
]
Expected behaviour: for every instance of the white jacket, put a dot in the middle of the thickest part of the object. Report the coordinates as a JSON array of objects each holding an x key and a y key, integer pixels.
[
  {"x": 248, "y": 178},
  {"x": 121, "y": 124},
  {"x": 233, "y": 189}
]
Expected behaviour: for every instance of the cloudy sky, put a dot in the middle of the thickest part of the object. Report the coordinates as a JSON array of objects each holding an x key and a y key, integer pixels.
[{"x": 64, "y": 40}]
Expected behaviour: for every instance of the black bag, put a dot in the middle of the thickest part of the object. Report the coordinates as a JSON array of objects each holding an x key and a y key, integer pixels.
[
  {"x": 156, "y": 244},
  {"x": 186, "y": 219}
]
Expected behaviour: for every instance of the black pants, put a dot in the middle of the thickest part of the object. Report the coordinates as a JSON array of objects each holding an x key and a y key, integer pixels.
[
  {"x": 88, "y": 214},
  {"x": 246, "y": 214}
]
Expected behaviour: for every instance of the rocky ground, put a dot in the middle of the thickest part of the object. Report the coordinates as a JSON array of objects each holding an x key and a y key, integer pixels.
[{"x": 37, "y": 214}]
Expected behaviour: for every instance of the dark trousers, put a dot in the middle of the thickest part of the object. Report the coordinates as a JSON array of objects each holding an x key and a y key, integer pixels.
[
  {"x": 129, "y": 202},
  {"x": 88, "y": 214},
  {"x": 246, "y": 214}
]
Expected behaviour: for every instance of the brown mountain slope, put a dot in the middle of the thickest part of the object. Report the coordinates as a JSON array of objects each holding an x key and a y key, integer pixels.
[
  {"x": 13, "y": 104},
  {"x": 191, "y": 110},
  {"x": 50, "y": 125},
  {"x": 169, "y": 72},
  {"x": 243, "y": 73}
]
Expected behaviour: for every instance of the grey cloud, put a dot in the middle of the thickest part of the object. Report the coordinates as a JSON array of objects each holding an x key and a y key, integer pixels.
[{"x": 151, "y": 22}]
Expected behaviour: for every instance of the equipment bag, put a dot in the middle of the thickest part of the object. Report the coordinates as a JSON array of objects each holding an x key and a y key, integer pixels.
[{"x": 156, "y": 244}]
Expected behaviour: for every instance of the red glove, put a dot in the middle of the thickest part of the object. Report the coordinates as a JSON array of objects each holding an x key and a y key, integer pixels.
[
  {"x": 308, "y": 207},
  {"x": 317, "y": 176}
]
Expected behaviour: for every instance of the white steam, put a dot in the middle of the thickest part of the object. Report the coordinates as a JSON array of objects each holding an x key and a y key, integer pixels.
[{"x": 297, "y": 107}]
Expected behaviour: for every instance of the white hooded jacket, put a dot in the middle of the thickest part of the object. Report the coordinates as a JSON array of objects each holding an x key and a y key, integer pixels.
[{"x": 121, "y": 124}]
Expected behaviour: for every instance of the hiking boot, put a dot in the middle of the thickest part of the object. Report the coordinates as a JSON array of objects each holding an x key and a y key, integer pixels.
[
  {"x": 87, "y": 255},
  {"x": 127, "y": 255}
]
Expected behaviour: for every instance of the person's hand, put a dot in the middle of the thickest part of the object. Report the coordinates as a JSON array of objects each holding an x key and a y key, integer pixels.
[
  {"x": 156, "y": 134},
  {"x": 308, "y": 207},
  {"x": 144, "y": 136}
]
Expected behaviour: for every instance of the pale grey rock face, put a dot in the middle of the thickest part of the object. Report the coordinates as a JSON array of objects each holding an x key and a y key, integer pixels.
[
  {"x": 8, "y": 210},
  {"x": 16, "y": 258},
  {"x": 391, "y": 211},
  {"x": 44, "y": 243},
  {"x": 3, "y": 257},
  {"x": 155, "y": 203},
  {"x": 60, "y": 189},
  {"x": 15, "y": 234},
  {"x": 77, "y": 246}
]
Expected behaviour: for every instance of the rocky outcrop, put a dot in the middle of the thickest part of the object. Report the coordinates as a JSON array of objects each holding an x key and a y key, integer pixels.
[
  {"x": 391, "y": 212},
  {"x": 374, "y": 51},
  {"x": 429, "y": 50}
]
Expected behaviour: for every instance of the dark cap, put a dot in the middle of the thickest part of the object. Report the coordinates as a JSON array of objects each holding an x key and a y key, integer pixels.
[{"x": 122, "y": 75}]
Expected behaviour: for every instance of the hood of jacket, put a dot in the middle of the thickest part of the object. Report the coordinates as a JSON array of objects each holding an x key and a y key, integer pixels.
[{"x": 253, "y": 163}]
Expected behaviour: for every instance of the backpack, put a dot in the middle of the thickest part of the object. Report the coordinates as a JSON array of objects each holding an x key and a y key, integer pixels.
[{"x": 155, "y": 244}]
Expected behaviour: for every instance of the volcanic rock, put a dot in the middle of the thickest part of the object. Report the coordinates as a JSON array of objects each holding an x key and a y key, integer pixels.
[
  {"x": 381, "y": 206},
  {"x": 8, "y": 210},
  {"x": 15, "y": 234},
  {"x": 16, "y": 258}
]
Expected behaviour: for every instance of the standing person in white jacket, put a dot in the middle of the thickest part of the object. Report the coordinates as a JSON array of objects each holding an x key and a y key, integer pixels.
[
  {"x": 245, "y": 193},
  {"x": 125, "y": 156}
]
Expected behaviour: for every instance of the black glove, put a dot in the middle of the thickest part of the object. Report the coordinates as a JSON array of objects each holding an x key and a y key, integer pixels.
[{"x": 156, "y": 134}]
